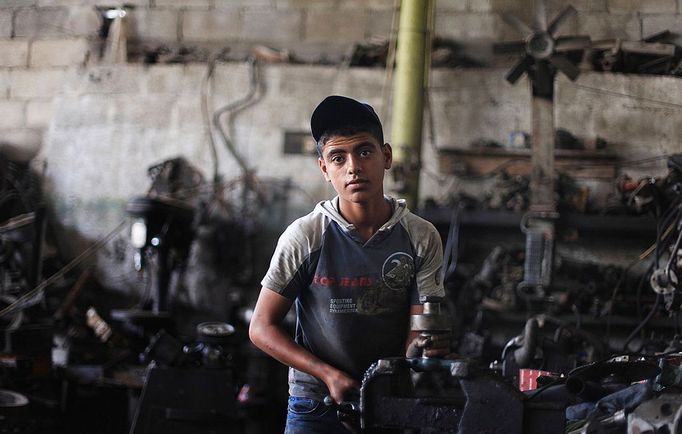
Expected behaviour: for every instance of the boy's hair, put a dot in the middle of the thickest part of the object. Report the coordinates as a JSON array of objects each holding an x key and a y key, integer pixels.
[{"x": 350, "y": 130}]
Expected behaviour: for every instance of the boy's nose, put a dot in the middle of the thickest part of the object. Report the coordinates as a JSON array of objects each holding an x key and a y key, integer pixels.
[{"x": 353, "y": 165}]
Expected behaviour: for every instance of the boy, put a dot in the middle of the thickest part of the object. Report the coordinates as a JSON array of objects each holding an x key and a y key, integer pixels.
[{"x": 355, "y": 267}]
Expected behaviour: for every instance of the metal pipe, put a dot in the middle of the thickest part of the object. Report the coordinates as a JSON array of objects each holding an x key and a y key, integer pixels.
[{"x": 408, "y": 94}]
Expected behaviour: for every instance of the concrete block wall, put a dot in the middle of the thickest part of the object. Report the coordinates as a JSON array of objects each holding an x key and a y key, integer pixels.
[
  {"x": 38, "y": 42},
  {"x": 99, "y": 127}
]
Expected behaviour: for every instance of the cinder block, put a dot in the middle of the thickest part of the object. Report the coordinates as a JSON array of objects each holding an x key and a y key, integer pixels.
[
  {"x": 103, "y": 80},
  {"x": 35, "y": 83},
  {"x": 338, "y": 26},
  {"x": 186, "y": 114},
  {"x": 304, "y": 4},
  {"x": 153, "y": 24},
  {"x": 58, "y": 21},
  {"x": 656, "y": 23},
  {"x": 379, "y": 24},
  {"x": 580, "y": 5},
  {"x": 368, "y": 4},
  {"x": 33, "y": 23},
  {"x": 14, "y": 52},
  {"x": 145, "y": 111},
  {"x": 12, "y": 114},
  {"x": 217, "y": 25},
  {"x": 276, "y": 26},
  {"x": 184, "y": 4},
  {"x": 609, "y": 26},
  {"x": 480, "y": 5},
  {"x": 108, "y": 3},
  {"x": 81, "y": 111},
  {"x": 174, "y": 79},
  {"x": 647, "y": 6},
  {"x": 10, "y": 4},
  {"x": 469, "y": 26},
  {"x": 39, "y": 113},
  {"x": 51, "y": 3},
  {"x": 452, "y": 5},
  {"x": 5, "y": 24},
  {"x": 83, "y": 21},
  {"x": 4, "y": 83},
  {"x": 61, "y": 52}
]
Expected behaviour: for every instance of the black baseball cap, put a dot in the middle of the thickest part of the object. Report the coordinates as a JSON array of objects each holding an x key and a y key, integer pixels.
[{"x": 338, "y": 111}]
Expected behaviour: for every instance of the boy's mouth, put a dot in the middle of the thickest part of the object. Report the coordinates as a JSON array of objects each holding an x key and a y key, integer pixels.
[{"x": 357, "y": 181}]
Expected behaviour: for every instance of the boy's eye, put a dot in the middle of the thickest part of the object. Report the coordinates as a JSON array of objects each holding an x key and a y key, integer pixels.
[
  {"x": 365, "y": 153},
  {"x": 337, "y": 159}
]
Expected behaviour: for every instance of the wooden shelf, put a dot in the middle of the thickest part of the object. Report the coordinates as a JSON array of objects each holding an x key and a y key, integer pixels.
[
  {"x": 481, "y": 161},
  {"x": 596, "y": 224}
]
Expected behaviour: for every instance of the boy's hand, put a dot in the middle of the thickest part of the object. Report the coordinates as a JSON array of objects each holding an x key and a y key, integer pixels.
[
  {"x": 435, "y": 345},
  {"x": 340, "y": 385}
]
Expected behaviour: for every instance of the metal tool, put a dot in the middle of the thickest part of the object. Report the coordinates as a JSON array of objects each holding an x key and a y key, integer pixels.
[
  {"x": 431, "y": 321},
  {"x": 471, "y": 400}
]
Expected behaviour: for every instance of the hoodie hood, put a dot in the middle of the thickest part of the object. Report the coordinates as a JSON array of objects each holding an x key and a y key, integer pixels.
[{"x": 330, "y": 208}]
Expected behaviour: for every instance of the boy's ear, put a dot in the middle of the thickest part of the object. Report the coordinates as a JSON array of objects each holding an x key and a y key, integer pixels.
[
  {"x": 388, "y": 155},
  {"x": 323, "y": 168}
]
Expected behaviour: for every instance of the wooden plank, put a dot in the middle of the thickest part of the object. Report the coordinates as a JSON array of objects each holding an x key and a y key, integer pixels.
[{"x": 479, "y": 162}]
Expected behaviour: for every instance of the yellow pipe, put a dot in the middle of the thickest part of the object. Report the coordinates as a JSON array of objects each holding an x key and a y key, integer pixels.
[{"x": 408, "y": 93}]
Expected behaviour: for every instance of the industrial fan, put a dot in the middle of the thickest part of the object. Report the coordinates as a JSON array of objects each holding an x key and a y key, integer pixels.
[{"x": 543, "y": 54}]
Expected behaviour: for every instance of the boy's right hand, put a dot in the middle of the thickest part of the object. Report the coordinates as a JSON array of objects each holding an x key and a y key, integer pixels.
[{"x": 340, "y": 385}]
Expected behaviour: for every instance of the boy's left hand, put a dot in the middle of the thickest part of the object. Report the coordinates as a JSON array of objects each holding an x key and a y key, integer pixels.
[{"x": 435, "y": 345}]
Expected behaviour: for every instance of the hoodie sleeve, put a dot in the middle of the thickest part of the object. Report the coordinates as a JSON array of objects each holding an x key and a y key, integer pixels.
[
  {"x": 293, "y": 262},
  {"x": 429, "y": 250}
]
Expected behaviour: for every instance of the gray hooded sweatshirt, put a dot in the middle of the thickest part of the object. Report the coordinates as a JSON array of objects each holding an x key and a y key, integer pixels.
[{"x": 353, "y": 296}]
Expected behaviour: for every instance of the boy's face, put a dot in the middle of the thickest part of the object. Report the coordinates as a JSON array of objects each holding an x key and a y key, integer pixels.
[{"x": 355, "y": 166}]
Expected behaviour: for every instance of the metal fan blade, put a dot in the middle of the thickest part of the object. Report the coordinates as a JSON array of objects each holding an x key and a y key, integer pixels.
[
  {"x": 560, "y": 19},
  {"x": 543, "y": 79},
  {"x": 571, "y": 43},
  {"x": 564, "y": 65},
  {"x": 517, "y": 24},
  {"x": 540, "y": 21},
  {"x": 519, "y": 68},
  {"x": 510, "y": 47}
]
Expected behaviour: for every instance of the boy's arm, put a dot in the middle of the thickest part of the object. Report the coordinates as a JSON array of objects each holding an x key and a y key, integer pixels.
[{"x": 267, "y": 333}]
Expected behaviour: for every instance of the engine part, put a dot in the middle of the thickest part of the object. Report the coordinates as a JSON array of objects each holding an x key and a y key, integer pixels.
[
  {"x": 540, "y": 232},
  {"x": 658, "y": 415},
  {"x": 431, "y": 321}
]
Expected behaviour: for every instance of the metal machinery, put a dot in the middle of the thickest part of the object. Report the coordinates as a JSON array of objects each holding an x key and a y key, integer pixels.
[
  {"x": 190, "y": 389},
  {"x": 445, "y": 396},
  {"x": 161, "y": 233}
]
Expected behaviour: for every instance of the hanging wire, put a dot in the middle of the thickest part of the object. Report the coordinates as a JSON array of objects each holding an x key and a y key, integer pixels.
[
  {"x": 205, "y": 113},
  {"x": 26, "y": 298},
  {"x": 239, "y": 104},
  {"x": 390, "y": 60}
]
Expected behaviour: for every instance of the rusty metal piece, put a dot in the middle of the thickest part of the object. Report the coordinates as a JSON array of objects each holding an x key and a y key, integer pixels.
[{"x": 431, "y": 320}]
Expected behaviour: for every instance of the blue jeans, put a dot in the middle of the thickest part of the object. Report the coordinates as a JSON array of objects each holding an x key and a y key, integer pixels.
[{"x": 307, "y": 416}]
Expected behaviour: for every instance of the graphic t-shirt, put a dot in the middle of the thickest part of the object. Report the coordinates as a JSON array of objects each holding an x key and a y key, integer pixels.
[{"x": 353, "y": 297}]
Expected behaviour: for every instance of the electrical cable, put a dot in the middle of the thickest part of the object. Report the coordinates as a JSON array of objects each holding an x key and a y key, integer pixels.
[
  {"x": 239, "y": 104},
  {"x": 205, "y": 104},
  {"x": 643, "y": 323},
  {"x": 68, "y": 267},
  {"x": 625, "y": 95},
  {"x": 390, "y": 59}
]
